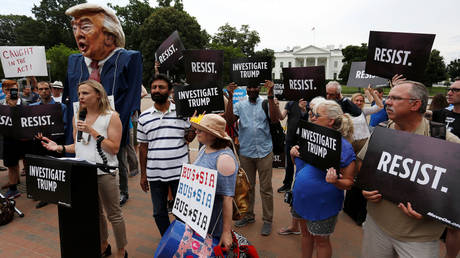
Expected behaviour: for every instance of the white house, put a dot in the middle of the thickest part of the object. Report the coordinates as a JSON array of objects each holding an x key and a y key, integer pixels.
[{"x": 329, "y": 57}]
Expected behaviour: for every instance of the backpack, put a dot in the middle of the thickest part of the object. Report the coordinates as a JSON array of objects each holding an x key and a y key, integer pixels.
[
  {"x": 6, "y": 210},
  {"x": 276, "y": 131}
]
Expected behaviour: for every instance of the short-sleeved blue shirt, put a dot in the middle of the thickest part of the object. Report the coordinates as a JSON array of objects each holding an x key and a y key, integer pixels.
[
  {"x": 379, "y": 117},
  {"x": 314, "y": 198}
]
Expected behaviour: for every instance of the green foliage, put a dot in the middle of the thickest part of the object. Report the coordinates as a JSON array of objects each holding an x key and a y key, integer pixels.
[
  {"x": 230, "y": 53},
  {"x": 351, "y": 54},
  {"x": 244, "y": 39},
  {"x": 266, "y": 52},
  {"x": 132, "y": 16},
  {"x": 58, "y": 55},
  {"x": 453, "y": 69},
  {"x": 435, "y": 69},
  {"x": 57, "y": 28},
  {"x": 161, "y": 23}
]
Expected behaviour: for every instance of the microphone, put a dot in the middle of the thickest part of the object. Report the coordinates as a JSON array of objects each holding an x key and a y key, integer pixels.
[{"x": 81, "y": 116}]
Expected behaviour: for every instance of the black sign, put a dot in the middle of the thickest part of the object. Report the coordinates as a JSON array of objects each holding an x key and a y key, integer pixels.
[
  {"x": 203, "y": 66},
  {"x": 278, "y": 89},
  {"x": 279, "y": 160},
  {"x": 391, "y": 53},
  {"x": 359, "y": 78},
  {"x": 169, "y": 52},
  {"x": 49, "y": 179},
  {"x": 250, "y": 71},
  {"x": 403, "y": 168},
  {"x": 23, "y": 122},
  {"x": 207, "y": 96},
  {"x": 304, "y": 82},
  {"x": 319, "y": 146}
]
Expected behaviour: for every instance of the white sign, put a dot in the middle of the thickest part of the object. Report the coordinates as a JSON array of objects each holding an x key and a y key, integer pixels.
[
  {"x": 195, "y": 197},
  {"x": 23, "y": 61}
]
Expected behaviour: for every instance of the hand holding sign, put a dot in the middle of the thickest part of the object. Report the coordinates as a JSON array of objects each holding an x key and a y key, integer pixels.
[
  {"x": 409, "y": 211},
  {"x": 372, "y": 196},
  {"x": 231, "y": 88},
  {"x": 397, "y": 79}
]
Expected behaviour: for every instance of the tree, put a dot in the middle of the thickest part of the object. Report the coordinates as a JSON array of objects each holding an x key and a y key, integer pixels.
[
  {"x": 161, "y": 23},
  {"x": 132, "y": 16},
  {"x": 230, "y": 52},
  {"x": 57, "y": 27},
  {"x": 167, "y": 3},
  {"x": 435, "y": 70},
  {"x": 58, "y": 55},
  {"x": 266, "y": 52},
  {"x": 244, "y": 39},
  {"x": 351, "y": 54},
  {"x": 453, "y": 69}
]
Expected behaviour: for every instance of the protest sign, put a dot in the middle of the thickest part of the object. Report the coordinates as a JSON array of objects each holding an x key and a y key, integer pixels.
[
  {"x": 49, "y": 180},
  {"x": 279, "y": 160},
  {"x": 24, "y": 122},
  {"x": 403, "y": 168},
  {"x": 391, "y": 53},
  {"x": 250, "y": 71},
  {"x": 278, "y": 89},
  {"x": 359, "y": 78},
  {"x": 203, "y": 66},
  {"x": 195, "y": 197},
  {"x": 207, "y": 96},
  {"x": 239, "y": 94},
  {"x": 319, "y": 146},
  {"x": 169, "y": 52},
  {"x": 304, "y": 82},
  {"x": 23, "y": 61}
]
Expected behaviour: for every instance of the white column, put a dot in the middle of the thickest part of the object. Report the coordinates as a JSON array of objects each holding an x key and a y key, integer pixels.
[
  {"x": 316, "y": 61},
  {"x": 305, "y": 62}
]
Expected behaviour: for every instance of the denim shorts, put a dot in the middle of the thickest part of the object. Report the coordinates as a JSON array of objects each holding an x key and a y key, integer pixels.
[{"x": 323, "y": 227}]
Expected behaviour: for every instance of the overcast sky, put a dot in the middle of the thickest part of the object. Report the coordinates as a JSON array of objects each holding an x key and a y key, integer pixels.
[{"x": 289, "y": 23}]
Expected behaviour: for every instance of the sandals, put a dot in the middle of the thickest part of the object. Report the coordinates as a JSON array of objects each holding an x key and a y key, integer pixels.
[{"x": 287, "y": 231}]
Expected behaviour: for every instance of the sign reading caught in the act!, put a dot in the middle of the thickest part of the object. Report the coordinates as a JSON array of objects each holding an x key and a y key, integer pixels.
[
  {"x": 195, "y": 197},
  {"x": 207, "y": 96},
  {"x": 391, "y": 53},
  {"x": 169, "y": 52},
  {"x": 359, "y": 78},
  {"x": 403, "y": 169},
  {"x": 24, "y": 122},
  {"x": 320, "y": 146},
  {"x": 250, "y": 71},
  {"x": 203, "y": 66},
  {"x": 304, "y": 82},
  {"x": 23, "y": 61}
]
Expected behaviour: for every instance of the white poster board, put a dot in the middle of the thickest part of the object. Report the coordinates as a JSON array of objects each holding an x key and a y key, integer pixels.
[
  {"x": 23, "y": 61},
  {"x": 195, "y": 197}
]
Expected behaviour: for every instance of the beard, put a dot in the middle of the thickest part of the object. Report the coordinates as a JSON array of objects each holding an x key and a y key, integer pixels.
[
  {"x": 253, "y": 95},
  {"x": 159, "y": 98}
]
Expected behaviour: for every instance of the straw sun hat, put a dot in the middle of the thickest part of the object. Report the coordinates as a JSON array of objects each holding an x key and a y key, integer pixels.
[{"x": 212, "y": 124}]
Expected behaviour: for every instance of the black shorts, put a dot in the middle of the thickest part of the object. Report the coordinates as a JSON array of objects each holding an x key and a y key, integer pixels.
[{"x": 13, "y": 151}]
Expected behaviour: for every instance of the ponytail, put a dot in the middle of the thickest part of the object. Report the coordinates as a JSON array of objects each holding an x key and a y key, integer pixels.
[{"x": 342, "y": 122}]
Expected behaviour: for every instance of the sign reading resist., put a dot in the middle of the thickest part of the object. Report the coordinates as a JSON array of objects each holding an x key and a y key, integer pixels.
[
  {"x": 204, "y": 66},
  {"x": 319, "y": 146},
  {"x": 304, "y": 82},
  {"x": 195, "y": 197},
  {"x": 23, "y": 61},
  {"x": 391, "y": 53},
  {"x": 169, "y": 52},
  {"x": 250, "y": 71},
  {"x": 49, "y": 180},
  {"x": 24, "y": 122},
  {"x": 401, "y": 167},
  {"x": 359, "y": 78},
  {"x": 207, "y": 96}
]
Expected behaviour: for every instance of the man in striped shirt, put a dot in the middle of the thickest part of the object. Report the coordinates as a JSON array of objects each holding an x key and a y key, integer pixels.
[{"x": 163, "y": 148}]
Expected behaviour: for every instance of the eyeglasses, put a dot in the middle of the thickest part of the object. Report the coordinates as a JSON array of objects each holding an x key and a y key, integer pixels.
[
  {"x": 454, "y": 90},
  {"x": 315, "y": 115},
  {"x": 395, "y": 98}
]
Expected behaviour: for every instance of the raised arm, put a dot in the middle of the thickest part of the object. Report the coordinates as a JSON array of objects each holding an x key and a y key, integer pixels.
[{"x": 229, "y": 115}]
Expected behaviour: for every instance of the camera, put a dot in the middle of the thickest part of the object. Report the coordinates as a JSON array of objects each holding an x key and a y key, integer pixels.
[{"x": 14, "y": 94}]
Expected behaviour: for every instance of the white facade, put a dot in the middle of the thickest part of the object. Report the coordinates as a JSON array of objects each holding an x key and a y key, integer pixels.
[{"x": 329, "y": 57}]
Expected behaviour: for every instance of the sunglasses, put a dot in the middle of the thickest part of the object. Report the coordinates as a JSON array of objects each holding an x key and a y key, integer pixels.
[
  {"x": 454, "y": 90},
  {"x": 315, "y": 115}
]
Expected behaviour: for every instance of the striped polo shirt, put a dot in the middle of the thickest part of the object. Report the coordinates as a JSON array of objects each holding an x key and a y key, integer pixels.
[{"x": 167, "y": 148}]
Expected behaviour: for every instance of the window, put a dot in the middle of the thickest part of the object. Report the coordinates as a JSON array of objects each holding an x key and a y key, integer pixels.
[
  {"x": 281, "y": 64},
  {"x": 289, "y": 64},
  {"x": 273, "y": 76},
  {"x": 336, "y": 64},
  {"x": 281, "y": 76},
  {"x": 335, "y": 75}
]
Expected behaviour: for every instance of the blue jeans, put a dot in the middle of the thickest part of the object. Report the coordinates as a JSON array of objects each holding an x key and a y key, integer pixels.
[{"x": 159, "y": 193}]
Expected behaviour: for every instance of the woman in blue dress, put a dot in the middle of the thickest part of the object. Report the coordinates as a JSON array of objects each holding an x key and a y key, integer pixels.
[
  {"x": 218, "y": 155},
  {"x": 318, "y": 194}
]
